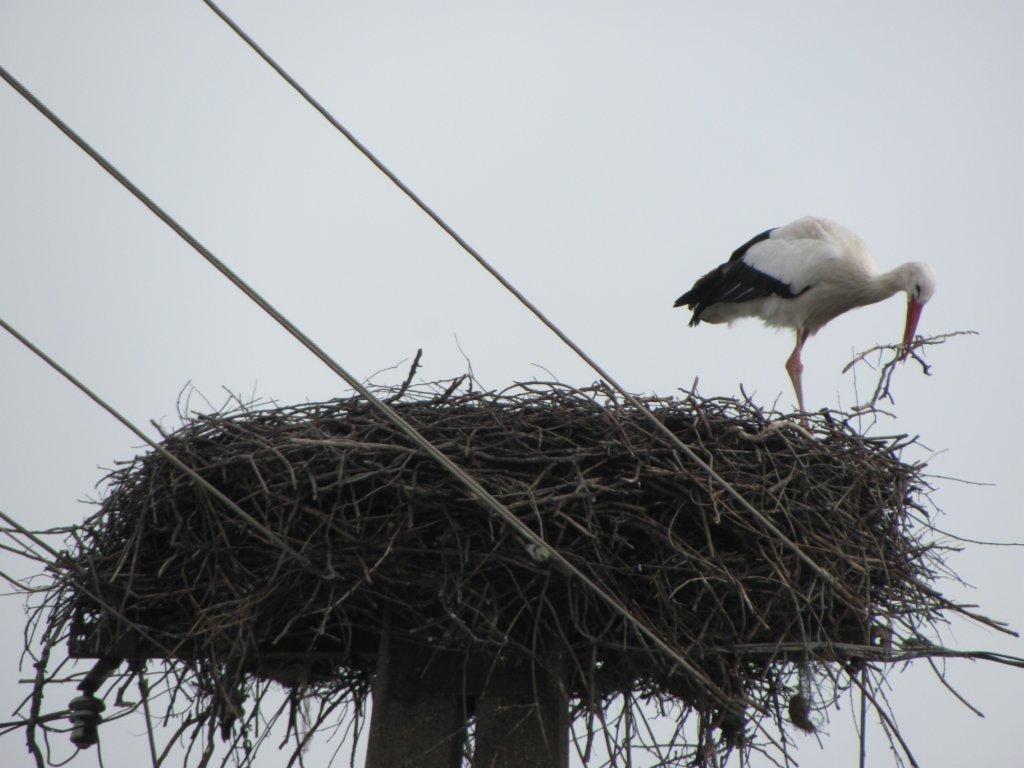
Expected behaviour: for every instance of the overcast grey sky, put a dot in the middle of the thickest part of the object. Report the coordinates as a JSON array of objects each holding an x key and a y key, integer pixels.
[{"x": 603, "y": 155}]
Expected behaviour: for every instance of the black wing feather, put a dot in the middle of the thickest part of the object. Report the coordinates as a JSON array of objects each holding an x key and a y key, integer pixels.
[
  {"x": 738, "y": 253},
  {"x": 734, "y": 282}
]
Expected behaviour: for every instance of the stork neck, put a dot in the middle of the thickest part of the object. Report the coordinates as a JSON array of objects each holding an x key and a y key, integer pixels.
[{"x": 887, "y": 284}]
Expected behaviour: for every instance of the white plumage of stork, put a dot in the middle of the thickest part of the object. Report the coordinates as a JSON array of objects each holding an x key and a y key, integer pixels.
[{"x": 801, "y": 276}]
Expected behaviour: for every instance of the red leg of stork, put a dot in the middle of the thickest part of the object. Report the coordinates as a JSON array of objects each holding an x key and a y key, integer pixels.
[{"x": 795, "y": 368}]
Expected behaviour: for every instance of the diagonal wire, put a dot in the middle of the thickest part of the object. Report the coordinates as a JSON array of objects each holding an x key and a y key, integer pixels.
[
  {"x": 672, "y": 437},
  {"x": 265, "y": 532},
  {"x": 481, "y": 493}
]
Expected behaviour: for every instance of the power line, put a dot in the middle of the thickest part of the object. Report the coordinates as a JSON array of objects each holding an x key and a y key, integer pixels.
[
  {"x": 267, "y": 534},
  {"x": 481, "y": 493},
  {"x": 673, "y": 438}
]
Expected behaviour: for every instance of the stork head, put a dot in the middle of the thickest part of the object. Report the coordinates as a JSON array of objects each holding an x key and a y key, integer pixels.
[{"x": 919, "y": 284}]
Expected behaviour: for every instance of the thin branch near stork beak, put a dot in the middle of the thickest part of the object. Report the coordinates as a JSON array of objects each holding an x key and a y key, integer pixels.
[{"x": 885, "y": 366}]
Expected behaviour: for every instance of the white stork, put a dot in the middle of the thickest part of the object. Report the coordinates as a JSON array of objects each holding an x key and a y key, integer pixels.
[{"x": 800, "y": 276}]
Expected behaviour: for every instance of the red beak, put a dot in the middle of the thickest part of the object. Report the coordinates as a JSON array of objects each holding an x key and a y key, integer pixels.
[{"x": 913, "y": 315}]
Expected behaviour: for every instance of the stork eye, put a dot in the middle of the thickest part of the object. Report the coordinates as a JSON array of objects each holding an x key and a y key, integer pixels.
[{"x": 917, "y": 290}]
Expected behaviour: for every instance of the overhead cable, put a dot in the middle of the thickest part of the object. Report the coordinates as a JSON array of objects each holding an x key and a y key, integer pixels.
[
  {"x": 481, "y": 493},
  {"x": 533, "y": 308}
]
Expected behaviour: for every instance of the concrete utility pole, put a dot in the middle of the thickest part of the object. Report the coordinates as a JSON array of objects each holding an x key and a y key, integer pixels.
[{"x": 423, "y": 702}]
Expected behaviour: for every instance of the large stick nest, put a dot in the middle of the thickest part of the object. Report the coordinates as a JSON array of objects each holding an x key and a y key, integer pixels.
[{"x": 388, "y": 541}]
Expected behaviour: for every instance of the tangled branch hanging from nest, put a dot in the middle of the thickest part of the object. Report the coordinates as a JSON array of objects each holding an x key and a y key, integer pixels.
[{"x": 385, "y": 536}]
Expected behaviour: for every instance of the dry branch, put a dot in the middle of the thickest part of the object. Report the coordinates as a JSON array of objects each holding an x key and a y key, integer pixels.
[{"x": 888, "y": 356}]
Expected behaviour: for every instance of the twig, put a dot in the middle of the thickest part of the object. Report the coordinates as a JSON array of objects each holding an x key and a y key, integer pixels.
[
  {"x": 408, "y": 379},
  {"x": 882, "y": 390}
]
